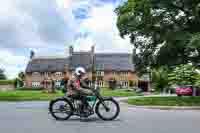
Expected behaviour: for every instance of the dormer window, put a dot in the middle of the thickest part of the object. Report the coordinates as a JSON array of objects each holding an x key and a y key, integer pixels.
[
  {"x": 35, "y": 74},
  {"x": 46, "y": 74},
  {"x": 59, "y": 74},
  {"x": 100, "y": 73}
]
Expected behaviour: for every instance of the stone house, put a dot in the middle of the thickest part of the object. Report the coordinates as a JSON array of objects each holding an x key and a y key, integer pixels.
[{"x": 101, "y": 66}]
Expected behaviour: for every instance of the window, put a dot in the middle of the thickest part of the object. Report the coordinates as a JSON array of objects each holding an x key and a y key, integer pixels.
[
  {"x": 100, "y": 83},
  {"x": 100, "y": 73},
  {"x": 90, "y": 83},
  {"x": 59, "y": 74},
  {"x": 46, "y": 74},
  {"x": 36, "y": 74},
  {"x": 124, "y": 83},
  {"x": 124, "y": 74},
  {"x": 57, "y": 83},
  {"x": 114, "y": 73},
  {"x": 35, "y": 84}
]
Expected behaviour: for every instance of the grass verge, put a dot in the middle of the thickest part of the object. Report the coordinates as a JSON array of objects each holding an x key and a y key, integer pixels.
[
  {"x": 36, "y": 95},
  {"x": 28, "y": 96},
  {"x": 119, "y": 93},
  {"x": 166, "y": 101}
]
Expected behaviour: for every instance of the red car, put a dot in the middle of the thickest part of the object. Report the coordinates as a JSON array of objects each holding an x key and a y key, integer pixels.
[{"x": 184, "y": 91}]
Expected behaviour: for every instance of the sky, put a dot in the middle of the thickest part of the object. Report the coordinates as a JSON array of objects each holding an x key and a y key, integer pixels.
[{"x": 49, "y": 27}]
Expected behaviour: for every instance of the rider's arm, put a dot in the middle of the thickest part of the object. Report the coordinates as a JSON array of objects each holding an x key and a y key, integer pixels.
[{"x": 84, "y": 84}]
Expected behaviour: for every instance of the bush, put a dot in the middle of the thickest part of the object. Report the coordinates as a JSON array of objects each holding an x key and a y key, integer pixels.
[
  {"x": 184, "y": 74},
  {"x": 112, "y": 84},
  {"x": 6, "y": 82},
  {"x": 160, "y": 78},
  {"x": 29, "y": 89}
]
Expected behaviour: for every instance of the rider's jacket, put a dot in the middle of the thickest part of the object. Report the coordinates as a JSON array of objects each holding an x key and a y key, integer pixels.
[{"x": 76, "y": 85}]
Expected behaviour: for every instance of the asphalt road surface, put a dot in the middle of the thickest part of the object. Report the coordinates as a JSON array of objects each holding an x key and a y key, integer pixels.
[{"x": 33, "y": 117}]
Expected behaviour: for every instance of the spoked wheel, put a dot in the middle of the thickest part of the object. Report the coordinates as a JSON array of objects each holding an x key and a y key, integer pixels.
[
  {"x": 61, "y": 109},
  {"x": 111, "y": 112}
]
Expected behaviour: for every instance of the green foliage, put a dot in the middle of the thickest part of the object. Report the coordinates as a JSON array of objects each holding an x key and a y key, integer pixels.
[
  {"x": 118, "y": 92},
  {"x": 112, "y": 83},
  {"x": 29, "y": 89},
  {"x": 131, "y": 83},
  {"x": 197, "y": 83},
  {"x": 21, "y": 75},
  {"x": 18, "y": 83},
  {"x": 28, "y": 96},
  {"x": 166, "y": 32},
  {"x": 183, "y": 75},
  {"x": 2, "y": 75},
  {"x": 6, "y": 82},
  {"x": 160, "y": 78}
]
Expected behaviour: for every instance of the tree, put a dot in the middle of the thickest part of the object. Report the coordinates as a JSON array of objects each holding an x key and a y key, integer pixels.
[
  {"x": 166, "y": 32},
  {"x": 21, "y": 75},
  {"x": 19, "y": 81},
  {"x": 2, "y": 75},
  {"x": 183, "y": 75},
  {"x": 160, "y": 78}
]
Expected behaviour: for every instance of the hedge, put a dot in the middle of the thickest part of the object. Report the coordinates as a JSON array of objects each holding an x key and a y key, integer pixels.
[
  {"x": 6, "y": 82},
  {"x": 29, "y": 89}
]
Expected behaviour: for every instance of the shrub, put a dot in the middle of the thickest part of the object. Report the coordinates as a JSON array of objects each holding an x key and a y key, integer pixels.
[
  {"x": 112, "y": 83},
  {"x": 160, "y": 78},
  {"x": 6, "y": 82},
  {"x": 184, "y": 74},
  {"x": 29, "y": 89},
  {"x": 131, "y": 83}
]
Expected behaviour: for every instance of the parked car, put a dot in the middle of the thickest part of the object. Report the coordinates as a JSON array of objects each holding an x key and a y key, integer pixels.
[{"x": 184, "y": 91}]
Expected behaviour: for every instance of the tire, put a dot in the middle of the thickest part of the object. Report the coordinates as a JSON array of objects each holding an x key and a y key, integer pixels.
[
  {"x": 67, "y": 102},
  {"x": 98, "y": 111}
]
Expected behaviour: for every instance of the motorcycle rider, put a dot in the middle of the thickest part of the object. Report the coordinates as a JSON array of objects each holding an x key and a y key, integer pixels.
[{"x": 78, "y": 88}]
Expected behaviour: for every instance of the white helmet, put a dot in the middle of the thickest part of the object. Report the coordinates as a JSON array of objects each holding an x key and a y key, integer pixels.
[{"x": 79, "y": 71}]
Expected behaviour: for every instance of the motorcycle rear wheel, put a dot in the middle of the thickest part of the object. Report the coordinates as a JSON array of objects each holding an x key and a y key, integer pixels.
[{"x": 66, "y": 108}]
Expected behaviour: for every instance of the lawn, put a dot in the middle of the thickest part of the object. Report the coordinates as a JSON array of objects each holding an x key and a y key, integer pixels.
[
  {"x": 166, "y": 101},
  {"x": 27, "y": 96},
  {"x": 119, "y": 93},
  {"x": 24, "y": 95}
]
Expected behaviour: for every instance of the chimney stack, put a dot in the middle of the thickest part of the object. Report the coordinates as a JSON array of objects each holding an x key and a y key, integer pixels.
[
  {"x": 71, "y": 50},
  {"x": 32, "y": 54},
  {"x": 93, "y": 49}
]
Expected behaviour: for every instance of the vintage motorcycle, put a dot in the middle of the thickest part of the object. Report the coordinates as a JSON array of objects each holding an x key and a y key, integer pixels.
[{"x": 106, "y": 108}]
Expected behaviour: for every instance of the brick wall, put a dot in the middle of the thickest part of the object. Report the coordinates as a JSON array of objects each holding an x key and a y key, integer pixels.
[
  {"x": 7, "y": 87},
  {"x": 119, "y": 76}
]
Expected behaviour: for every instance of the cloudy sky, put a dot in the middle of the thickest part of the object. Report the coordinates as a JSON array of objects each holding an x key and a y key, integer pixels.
[{"x": 49, "y": 26}]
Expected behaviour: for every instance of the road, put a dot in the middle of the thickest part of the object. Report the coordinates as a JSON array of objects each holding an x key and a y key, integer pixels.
[{"x": 32, "y": 117}]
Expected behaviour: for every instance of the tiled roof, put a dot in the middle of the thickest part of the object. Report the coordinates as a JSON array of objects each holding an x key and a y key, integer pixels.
[
  {"x": 47, "y": 65},
  {"x": 103, "y": 61},
  {"x": 114, "y": 61},
  {"x": 83, "y": 59}
]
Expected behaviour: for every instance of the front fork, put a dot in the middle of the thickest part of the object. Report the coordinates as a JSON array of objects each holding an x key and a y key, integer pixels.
[{"x": 104, "y": 104}]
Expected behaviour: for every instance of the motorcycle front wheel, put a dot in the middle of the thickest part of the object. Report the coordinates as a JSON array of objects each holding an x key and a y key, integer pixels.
[{"x": 107, "y": 114}]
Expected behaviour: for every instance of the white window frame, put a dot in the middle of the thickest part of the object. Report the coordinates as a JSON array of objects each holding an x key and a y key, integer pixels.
[
  {"x": 35, "y": 84},
  {"x": 57, "y": 83},
  {"x": 59, "y": 74},
  {"x": 46, "y": 74},
  {"x": 125, "y": 83},
  {"x": 101, "y": 83},
  {"x": 100, "y": 73},
  {"x": 36, "y": 74}
]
